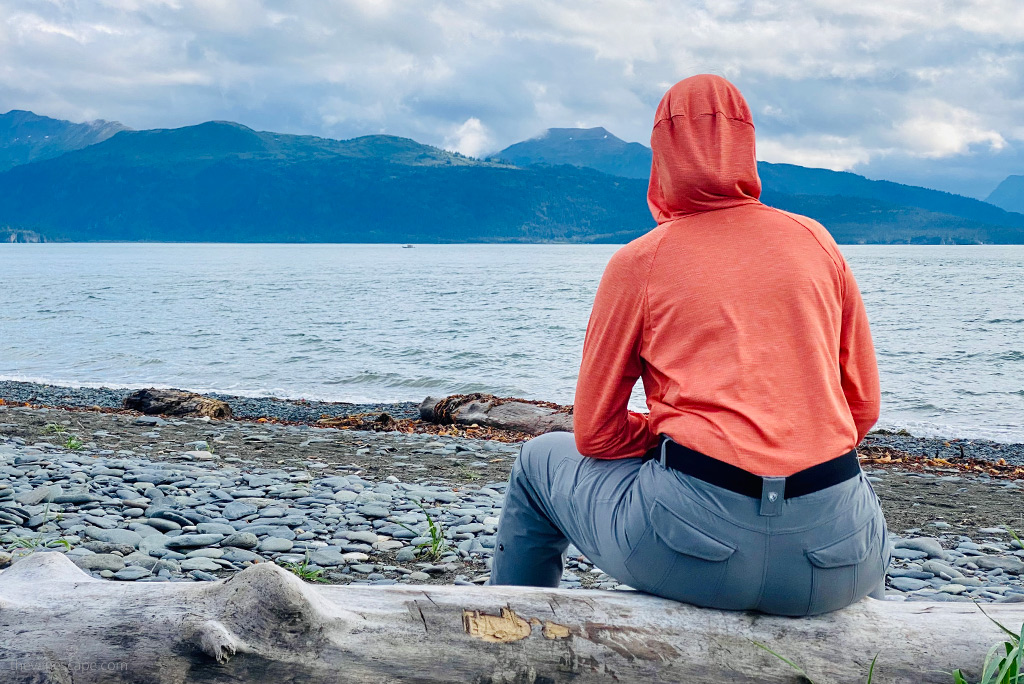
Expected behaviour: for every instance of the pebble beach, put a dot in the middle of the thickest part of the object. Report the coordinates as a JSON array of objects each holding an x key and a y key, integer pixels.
[{"x": 130, "y": 497}]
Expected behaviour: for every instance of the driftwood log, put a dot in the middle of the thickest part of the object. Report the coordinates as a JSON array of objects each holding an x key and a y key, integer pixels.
[
  {"x": 486, "y": 410},
  {"x": 176, "y": 403},
  {"x": 265, "y": 625}
]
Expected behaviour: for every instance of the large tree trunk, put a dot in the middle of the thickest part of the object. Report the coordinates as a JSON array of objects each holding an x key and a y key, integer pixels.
[{"x": 265, "y": 625}]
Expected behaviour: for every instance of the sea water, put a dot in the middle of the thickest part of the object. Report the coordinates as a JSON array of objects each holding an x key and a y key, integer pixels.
[{"x": 387, "y": 323}]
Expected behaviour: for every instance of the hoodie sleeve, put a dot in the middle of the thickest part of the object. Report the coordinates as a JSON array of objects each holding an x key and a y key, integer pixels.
[
  {"x": 603, "y": 426},
  {"x": 857, "y": 364}
]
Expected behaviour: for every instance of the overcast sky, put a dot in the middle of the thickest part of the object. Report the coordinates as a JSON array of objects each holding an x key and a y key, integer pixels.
[{"x": 929, "y": 92}]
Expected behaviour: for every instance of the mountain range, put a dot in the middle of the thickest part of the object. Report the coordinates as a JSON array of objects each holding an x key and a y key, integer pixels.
[
  {"x": 221, "y": 181},
  {"x": 26, "y": 137}
]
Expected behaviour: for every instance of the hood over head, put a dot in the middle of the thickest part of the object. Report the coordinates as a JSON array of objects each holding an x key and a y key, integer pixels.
[{"x": 703, "y": 144}]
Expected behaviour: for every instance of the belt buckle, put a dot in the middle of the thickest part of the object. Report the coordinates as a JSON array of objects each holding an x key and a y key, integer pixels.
[{"x": 773, "y": 494}]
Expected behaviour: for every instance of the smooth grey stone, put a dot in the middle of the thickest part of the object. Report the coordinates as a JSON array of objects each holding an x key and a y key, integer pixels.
[
  {"x": 195, "y": 517},
  {"x": 938, "y": 568},
  {"x": 150, "y": 420},
  {"x": 907, "y": 583},
  {"x": 362, "y": 568},
  {"x": 188, "y": 541},
  {"x": 203, "y": 576},
  {"x": 214, "y": 528},
  {"x": 275, "y": 545},
  {"x": 406, "y": 555},
  {"x": 908, "y": 554},
  {"x": 100, "y": 561},
  {"x": 943, "y": 597},
  {"x": 173, "y": 516},
  {"x": 968, "y": 581},
  {"x": 144, "y": 530},
  {"x": 243, "y": 540},
  {"x": 161, "y": 524},
  {"x": 204, "y": 564},
  {"x": 132, "y": 572},
  {"x": 928, "y": 545},
  {"x": 374, "y": 511},
  {"x": 246, "y": 493},
  {"x": 327, "y": 557},
  {"x": 1011, "y": 565},
  {"x": 105, "y": 523},
  {"x": 108, "y": 547},
  {"x": 205, "y": 553},
  {"x": 269, "y": 531},
  {"x": 75, "y": 498},
  {"x": 38, "y": 495},
  {"x": 289, "y": 521},
  {"x": 154, "y": 543},
  {"x": 362, "y": 548},
  {"x": 236, "y": 555},
  {"x": 471, "y": 528},
  {"x": 116, "y": 536},
  {"x": 238, "y": 509}
]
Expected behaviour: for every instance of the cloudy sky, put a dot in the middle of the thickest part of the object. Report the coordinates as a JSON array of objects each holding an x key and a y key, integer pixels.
[{"x": 929, "y": 92}]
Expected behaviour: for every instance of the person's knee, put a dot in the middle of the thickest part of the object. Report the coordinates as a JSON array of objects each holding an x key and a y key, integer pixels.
[{"x": 538, "y": 453}]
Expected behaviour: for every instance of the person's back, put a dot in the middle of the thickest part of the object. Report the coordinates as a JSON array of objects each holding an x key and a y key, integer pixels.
[
  {"x": 740, "y": 311},
  {"x": 750, "y": 335},
  {"x": 753, "y": 376}
]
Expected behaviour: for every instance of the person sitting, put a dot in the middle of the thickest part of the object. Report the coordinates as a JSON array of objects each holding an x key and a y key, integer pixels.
[{"x": 741, "y": 488}]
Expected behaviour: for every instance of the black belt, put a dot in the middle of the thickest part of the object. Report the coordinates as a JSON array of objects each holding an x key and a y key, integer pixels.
[{"x": 722, "y": 474}]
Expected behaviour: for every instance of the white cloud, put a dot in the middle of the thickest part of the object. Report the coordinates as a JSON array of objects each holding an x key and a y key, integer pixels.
[
  {"x": 945, "y": 131},
  {"x": 822, "y": 152},
  {"x": 830, "y": 82},
  {"x": 471, "y": 138}
]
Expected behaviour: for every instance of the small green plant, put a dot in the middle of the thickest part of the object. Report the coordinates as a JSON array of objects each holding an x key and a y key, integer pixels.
[
  {"x": 55, "y": 429},
  {"x": 468, "y": 475},
  {"x": 37, "y": 542},
  {"x": 70, "y": 441},
  {"x": 304, "y": 572},
  {"x": 438, "y": 545},
  {"x": 1004, "y": 663}
]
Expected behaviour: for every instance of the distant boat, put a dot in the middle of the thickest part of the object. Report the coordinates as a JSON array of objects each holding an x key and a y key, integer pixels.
[{"x": 407, "y": 246}]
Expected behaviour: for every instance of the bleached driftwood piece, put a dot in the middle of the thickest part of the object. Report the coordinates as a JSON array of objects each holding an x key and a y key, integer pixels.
[
  {"x": 496, "y": 412},
  {"x": 265, "y": 625}
]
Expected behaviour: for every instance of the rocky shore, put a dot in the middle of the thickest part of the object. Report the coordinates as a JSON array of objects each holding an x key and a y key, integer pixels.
[{"x": 143, "y": 498}]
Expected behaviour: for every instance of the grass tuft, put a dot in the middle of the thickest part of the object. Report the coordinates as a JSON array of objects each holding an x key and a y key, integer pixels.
[
  {"x": 438, "y": 545},
  {"x": 304, "y": 572}
]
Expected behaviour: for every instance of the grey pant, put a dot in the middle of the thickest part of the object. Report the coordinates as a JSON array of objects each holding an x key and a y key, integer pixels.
[{"x": 676, "y": 536}]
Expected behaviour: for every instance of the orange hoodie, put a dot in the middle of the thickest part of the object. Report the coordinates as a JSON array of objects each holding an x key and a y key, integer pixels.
[{"x": 744, "y": 321}]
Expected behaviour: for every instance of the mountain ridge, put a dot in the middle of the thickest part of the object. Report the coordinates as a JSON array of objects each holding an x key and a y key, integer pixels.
[
  {"x": 26, "y": 137},
  {"x": 1009, "y": 194},
  {"x": 776, "y": 179},
  {"x": 223, "y": 181}
]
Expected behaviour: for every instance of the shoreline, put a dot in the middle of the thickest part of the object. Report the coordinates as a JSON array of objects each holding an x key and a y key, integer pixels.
[
  {"x": 310, "y": 411},
  {"x": 145, "y": 498}
]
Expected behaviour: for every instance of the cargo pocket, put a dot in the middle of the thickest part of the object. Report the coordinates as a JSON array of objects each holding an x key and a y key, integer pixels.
[
  {"x": 677, "y": 560},
  {"x": 846, "y": 570}
]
